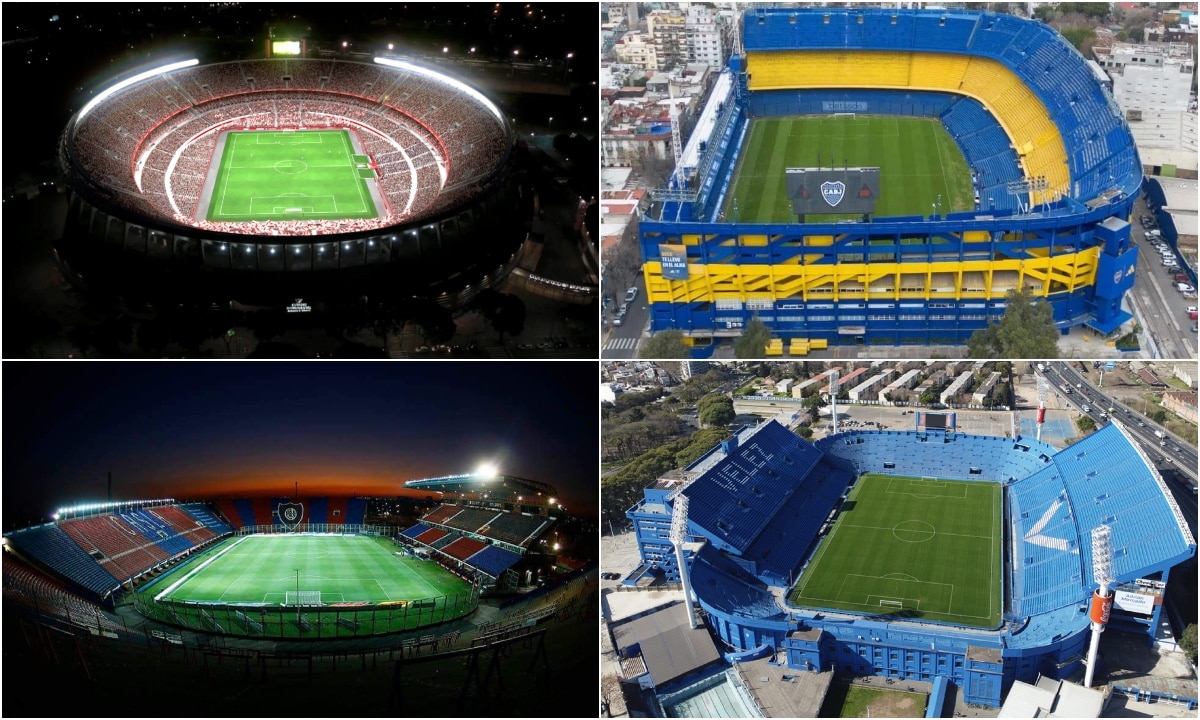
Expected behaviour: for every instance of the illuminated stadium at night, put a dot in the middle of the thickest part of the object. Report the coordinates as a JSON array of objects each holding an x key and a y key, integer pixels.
[
  {"x": 926, "y": 555},
  {"x": 280, "y": 560},
  {"x": 479, "y": 570},
  {"x": 277, "y": 175}
]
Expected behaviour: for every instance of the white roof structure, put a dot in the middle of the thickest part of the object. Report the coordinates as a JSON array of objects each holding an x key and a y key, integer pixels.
[{"x": 708, "y": 120}]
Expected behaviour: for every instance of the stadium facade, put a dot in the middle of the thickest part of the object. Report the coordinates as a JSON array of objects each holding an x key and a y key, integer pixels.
[
  {"x": 760, "y": 504},
  {"x": 137, "y": 154},
  {"x": 1055, "y": 173}
]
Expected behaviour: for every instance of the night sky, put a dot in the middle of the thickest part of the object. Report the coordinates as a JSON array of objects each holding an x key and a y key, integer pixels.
[{"x": 200, "y": 430}]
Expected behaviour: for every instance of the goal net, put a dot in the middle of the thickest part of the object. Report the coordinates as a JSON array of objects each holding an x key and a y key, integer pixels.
[
  {"x": 303, "y": 597},
  {"x": 928, "y": 478}
]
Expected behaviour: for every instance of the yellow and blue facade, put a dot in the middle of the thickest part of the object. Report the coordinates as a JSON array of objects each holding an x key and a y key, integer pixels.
[{"x": 1023, "y": 107}]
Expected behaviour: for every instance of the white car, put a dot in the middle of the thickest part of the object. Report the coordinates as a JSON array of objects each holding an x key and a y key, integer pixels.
[{"x": 1185, "y": 288}]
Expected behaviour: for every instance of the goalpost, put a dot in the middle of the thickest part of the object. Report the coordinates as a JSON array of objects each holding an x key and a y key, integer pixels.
[
  {"x": 928, "y": 478},
  {"x": 302, "y": 597}
]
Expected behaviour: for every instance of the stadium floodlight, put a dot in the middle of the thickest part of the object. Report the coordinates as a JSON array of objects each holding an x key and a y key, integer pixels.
[
  {"x": 445, "y": 80},
  {"x": 487, "y": 471},
  {"x": 113, "y": 89}
]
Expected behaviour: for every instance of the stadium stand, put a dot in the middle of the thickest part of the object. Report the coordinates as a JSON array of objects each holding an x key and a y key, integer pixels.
[
  {"x": 430, "y": 536},
  {"x": 516, "y": 529},
  {"x": 263, "y": 509},
  {"x": 463, "y": 548},
  {"x": 355, "y": 511},
  {"x": 204, "y": 515},
  {"x": 26, "y": 585},
  {"x": 415, "y": 530},
  {"x": 240, "y": 512},
  {"x": 441, "y": 514},
  {"x": 156, "y": 531},
  {"x": 181, "y": 522},
  {"x": 51, "y": 546},
  {"x": 493, "y": 560},
  {"x": 471, "y": 519},
  {"x": 122, "y": 548},
  {"x": 318, "y": 511}
]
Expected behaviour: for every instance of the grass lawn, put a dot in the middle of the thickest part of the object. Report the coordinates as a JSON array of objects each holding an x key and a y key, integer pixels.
[
  {"x": 911, "y": 548},
  {"x": 302, "y": 175},
  {"x": 856, "y": 701},
  {"x": 261, "y": 569},
  {"x": 916, "y": 157}
]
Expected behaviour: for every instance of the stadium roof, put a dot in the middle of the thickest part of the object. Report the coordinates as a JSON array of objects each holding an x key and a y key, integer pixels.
[
  {"x": 671, "y": 648},
  {"x": 479, "y": 481}
]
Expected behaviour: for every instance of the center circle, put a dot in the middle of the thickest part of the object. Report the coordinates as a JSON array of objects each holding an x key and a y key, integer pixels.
[
  {"x": 291, "y": 167},
  {"x": 914, "y": 531}
]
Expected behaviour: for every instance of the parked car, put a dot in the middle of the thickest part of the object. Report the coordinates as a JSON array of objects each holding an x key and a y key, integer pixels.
[{"x": 630, "y": 294}]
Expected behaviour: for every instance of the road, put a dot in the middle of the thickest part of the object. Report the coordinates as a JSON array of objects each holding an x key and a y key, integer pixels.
[
  {"x": 1161, "y": 306},
  {"x": 1176, "y": 459},
  {"x": 621, "y": 343}
]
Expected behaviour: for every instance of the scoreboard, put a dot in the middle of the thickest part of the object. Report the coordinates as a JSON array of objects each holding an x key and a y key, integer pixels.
[{"x": 285, "y": 48}]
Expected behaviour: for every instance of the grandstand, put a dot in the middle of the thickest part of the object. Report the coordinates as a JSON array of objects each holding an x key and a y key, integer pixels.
[
  {"x": 487, "y": 526},
  {"x": 433, "y": 151},
  {"x": 765, "y": 505},
  {"x": 1053, "y": 169}
]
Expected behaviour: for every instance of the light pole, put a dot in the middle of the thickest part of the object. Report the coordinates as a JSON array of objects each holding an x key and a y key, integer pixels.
[
  {"x": 297, "y": 597},
  {"x": 567, "y": 68}
]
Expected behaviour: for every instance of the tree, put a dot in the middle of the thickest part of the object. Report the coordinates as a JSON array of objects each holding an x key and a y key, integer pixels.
[
  {"x": 718, "y": 412},
  {"x": 1187, "y": 640},
  {"x": 505, "y": 312},
  {"x": 1158, "y": 415},
  {"x": 753, "y": 341},
  {"x": 610, "y": 691},
  {"x": 1079, "y": 37},
  {"x": 434, "y": 322},
  {"x": 1026, "y": 331},
  {"x": 666, "y": 345},
  {"x": 1085, "y": 424}
]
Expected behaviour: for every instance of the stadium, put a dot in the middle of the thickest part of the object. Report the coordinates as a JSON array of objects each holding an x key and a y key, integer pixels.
[
  {"x": 271, "y": 178},
  {"x": 925, "y": 555},
  {"x": 876, "y": 176},
  {"x": 271, "y": 582}
]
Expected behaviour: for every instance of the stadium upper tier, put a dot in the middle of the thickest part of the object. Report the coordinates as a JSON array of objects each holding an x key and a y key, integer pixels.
[
  {"x": 147, "y": 147},
  {"x": 1062, "y": 123}
]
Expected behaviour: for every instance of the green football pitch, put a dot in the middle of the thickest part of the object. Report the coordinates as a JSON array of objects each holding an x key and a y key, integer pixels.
[
  {"x": 301, "y": 175},
  {"x": 916, "y": 157},
  {"x": 915, "y": 548},
  {"x": 262, "y": 569}
]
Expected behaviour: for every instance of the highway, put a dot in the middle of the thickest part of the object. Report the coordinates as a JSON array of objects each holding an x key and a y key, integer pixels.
[
  {"x": 1176, "y": 461},
  {"x": 1162, "y": 308}
]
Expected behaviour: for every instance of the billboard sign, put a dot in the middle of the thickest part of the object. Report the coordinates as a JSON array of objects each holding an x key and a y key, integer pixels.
[
  {"x": 1135, "y": 602},
  {"x": 674, "y": 262}
]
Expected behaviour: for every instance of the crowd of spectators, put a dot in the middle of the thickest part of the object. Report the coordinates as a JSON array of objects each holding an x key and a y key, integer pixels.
[{"x": 151, "y": 147}]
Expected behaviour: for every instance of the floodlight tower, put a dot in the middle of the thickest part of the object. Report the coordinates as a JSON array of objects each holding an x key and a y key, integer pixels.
[
  {"x": 676, "y": 147},
  {"x": 678, "y": 531},
  {"x": 1101, "y": 600},
  {"x": 1042, "y": 391},
  {"x": 833, "y": 393}
]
